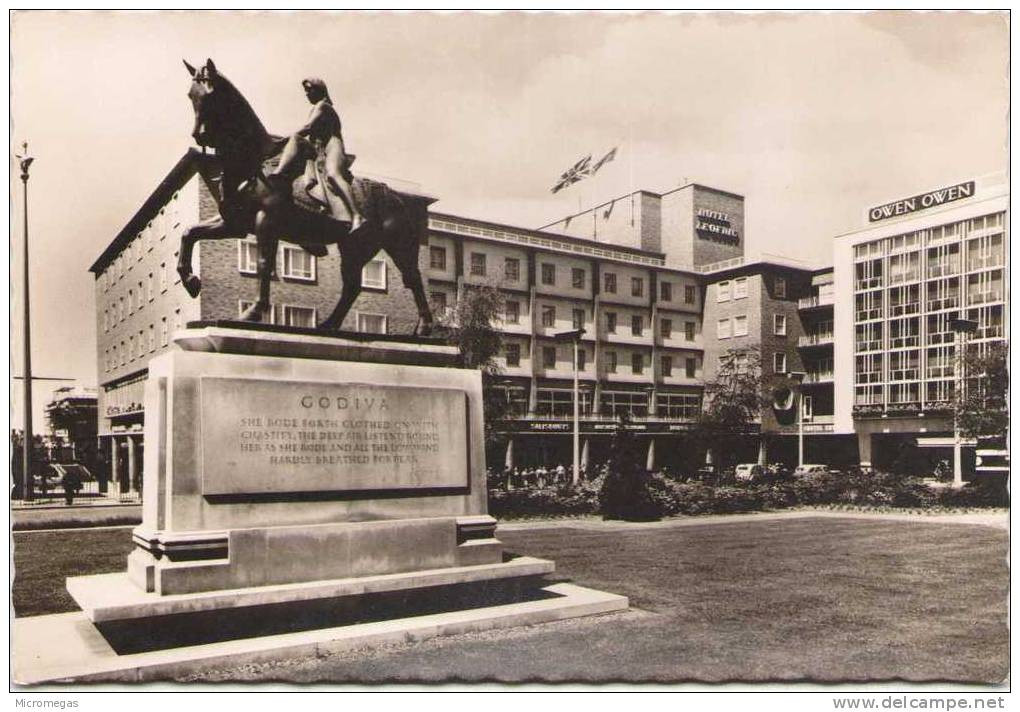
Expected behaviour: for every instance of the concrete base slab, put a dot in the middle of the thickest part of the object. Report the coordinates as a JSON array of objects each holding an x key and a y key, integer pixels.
[
  {"x": 67, "y": 647},
  {"x": 112, "y": 597}
]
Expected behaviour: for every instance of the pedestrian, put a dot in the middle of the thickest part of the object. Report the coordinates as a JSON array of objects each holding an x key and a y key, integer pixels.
[
  {"x": 561, "y": 475},
  {"x": 72, "y": 484}
]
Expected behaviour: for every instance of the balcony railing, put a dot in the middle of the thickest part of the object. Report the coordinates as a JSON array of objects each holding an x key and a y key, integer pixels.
[
  {"x": 815, "y": 300},
  {"x": 815, "y": 339}
]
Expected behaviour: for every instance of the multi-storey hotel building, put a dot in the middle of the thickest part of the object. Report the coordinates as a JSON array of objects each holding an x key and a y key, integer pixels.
[{"x": 922, "y": 262}]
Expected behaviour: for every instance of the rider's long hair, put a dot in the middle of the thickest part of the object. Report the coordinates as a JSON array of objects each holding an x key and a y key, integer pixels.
[{"x": 318, "y": 84}]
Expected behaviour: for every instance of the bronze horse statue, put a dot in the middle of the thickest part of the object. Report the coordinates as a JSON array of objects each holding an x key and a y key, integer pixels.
[{"x": 251, "y": 204}]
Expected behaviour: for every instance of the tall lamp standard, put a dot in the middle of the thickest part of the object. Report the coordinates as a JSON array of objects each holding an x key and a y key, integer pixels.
[
  {"x": 575, "y": 336},
  {"x": 798, "y": 378},
  {"x": 962, "y": 329},
  {"x": 25, "y": 160}
]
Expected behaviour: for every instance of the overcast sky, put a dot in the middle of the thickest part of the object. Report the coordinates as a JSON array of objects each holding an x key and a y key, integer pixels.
[{"x": 812, "y": 117}]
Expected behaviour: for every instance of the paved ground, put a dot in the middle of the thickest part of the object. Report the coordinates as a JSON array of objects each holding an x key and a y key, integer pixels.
[{"x": 90, "y": 515}]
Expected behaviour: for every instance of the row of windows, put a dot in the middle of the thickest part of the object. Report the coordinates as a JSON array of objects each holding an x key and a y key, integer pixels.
[
  {"x": 136, "y": 297},
  {"x": 478, "y": 267},
  {"x": 307, "y": 317},
  {"x": 512, "y": 354},
  {"x": 737, "y": 326},
  {"x": 165, "y": 222},
  {"x": 914, "y": 240},
  {"x": 737, "y": 289},
  {"x": 139, "y": 345},
  {"x": 560, "y": 402},
  {"x": 293, "y": 262},
  {"x": 939, "y": 294}
]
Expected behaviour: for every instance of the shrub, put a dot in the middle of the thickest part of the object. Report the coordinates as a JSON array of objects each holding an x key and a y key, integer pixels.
[{"x": 626, "y": 491}]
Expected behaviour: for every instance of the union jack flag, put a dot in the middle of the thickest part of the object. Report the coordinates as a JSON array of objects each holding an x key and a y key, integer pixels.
[{"x": 579, "y": 170}]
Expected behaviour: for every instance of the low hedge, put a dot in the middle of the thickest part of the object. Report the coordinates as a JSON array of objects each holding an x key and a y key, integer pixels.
[{"x": 854, "y": 489}]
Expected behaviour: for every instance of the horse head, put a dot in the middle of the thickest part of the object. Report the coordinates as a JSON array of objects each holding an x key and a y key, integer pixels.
[{"x": 224, "y": 120}]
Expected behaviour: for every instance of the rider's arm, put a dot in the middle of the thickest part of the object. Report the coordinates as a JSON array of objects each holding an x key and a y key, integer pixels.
[{"x": 316, "y": 117}]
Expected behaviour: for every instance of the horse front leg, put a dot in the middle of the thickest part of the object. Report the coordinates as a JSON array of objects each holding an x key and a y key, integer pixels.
[
  {"x": 213, "y": 229},
  {"x": 267, "y": 244}
]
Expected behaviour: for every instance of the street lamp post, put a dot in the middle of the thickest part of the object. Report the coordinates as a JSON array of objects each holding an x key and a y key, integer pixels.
[
  {"x": 962, "y": 329},
  {"x": 575, "y": 336},
  {"x": 798, "y": 378},
  {"x": 25, "y": 160}
]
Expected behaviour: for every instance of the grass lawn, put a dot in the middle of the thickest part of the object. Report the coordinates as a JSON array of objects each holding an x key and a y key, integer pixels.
[{"x": 807, "y": 599}]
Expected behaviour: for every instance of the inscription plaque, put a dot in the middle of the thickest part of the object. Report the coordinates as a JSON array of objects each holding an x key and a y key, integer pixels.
[{"x": 277, "y": 437}]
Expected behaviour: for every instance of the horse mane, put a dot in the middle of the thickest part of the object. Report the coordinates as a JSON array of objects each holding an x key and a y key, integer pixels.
[{"x": 238, "y": 111}]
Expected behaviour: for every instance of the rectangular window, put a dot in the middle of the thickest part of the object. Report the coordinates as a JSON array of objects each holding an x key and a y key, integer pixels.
[
  {"x": 513, "y": 354},
  {"x": 690, "y": 294},
  {"x": 780, "y": 288},
  {"x": 689, "y": 330},
  {"x": 131, "y": 301},
  {"x": 371, "y": 323},
  {"x": 724, "y": 291},
  {"x": 678, "y": 406},
  {"x": 297, "y": 264},
  {"x": 131, "y": 348},
  {"x": 616, "y": 403},
  {"x": 740, "y": 288},
  {"x": 666, "y": 328},
  {"x": 637, "y": 287},
  {"x": 582, "y": 359},
  {"x": 549, "y": 357},
  {"x": 610, "y": 362},
  {"x": 577, "y": 278},
  {"x": 779, "y": 362},
  {"x": 579, "y": 318},
  {"x": 162, "y": 277},
  {"x": 666, "y": 291},
  {"x": 690, "y": 367},
  {"x": 548, "y": 315},
  {"x": 150, "y": 288},
  {"x": 164, "y": 333},
  {"x": 609, "y": 283},
  {"x": 247, "y": 257},
  {"x": 779, "y": 324},
  {"x": 437, "y": 258},
  {"x": 243, "y": 305},
  {"x": 636, "y": 325},
  {"x": 512, "y": 269},
  {"x": 548, "y": 274},
  {"x": 637, "y": 363},
  {"x": 106, "y": 320},
  {"x": 152, "y": 338},
  {"x": 740, "y": 326},
  {"x": 373, "y": 274},
  {"x": 477, "y": 264},
  {"x": 667, "y": 366},
  {"x": 512, "y": 312},
  {"x": 723, "y": 329},
  {"x": 300, "y": 316},
  {"x": 610, "y": 322}
]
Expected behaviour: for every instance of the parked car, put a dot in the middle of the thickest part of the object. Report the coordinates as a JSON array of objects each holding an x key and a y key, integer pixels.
[
  {"x": 748, "y": 472},
  {"x": 806, "y": 469}
]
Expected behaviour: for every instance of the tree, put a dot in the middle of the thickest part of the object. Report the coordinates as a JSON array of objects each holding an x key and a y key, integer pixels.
[
  {"x": 982, "y": 409},
  {"x": 470, "y": 325},
  {"x": 734, "y": 401},
  {"x": 626, "y": 490}
]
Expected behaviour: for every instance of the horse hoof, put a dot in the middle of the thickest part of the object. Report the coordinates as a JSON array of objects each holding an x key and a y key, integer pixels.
[
  {"x": 426, "y": 330},
  {"x": 192, "y": 284}
]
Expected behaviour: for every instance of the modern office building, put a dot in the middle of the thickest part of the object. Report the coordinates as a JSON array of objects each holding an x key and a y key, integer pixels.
[{"x": 920, "y": 263}]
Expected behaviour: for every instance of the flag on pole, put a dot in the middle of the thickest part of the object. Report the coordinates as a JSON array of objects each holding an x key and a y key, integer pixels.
[
  {"x": 577, "y": 172},
  {"x": 604, "y": 160}
]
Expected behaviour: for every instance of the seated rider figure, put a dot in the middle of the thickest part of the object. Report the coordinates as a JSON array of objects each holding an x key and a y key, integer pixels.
[{"x": 321, "y": 136}]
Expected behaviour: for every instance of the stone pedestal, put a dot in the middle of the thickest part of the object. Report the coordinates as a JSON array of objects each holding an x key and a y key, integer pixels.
[{"x": 275, "y": 458}]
